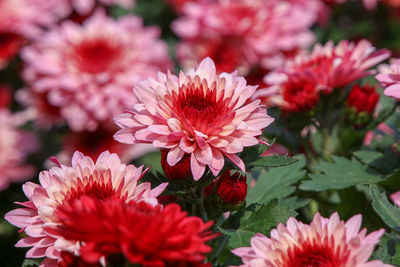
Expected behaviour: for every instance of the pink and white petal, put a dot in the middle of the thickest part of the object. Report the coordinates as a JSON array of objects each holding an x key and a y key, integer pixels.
[
  {"x": 353, "y": 226},
  {"x": 27, "y": 242},
  {"x": 236, "y": 160},
  {"x": 186, "y": 145},
  {"x": 175, "y": 155},
  {"x": 204, "y": 156},
  {"x": 218, "y": 161},
  {"x": 125, "y": 136},
  {"x": 197, "y": 168},
  {"x": 18, "y": 217},
  {"x": 155, "y": 192},
  {"x": 36, "y": 252},
  {"x": 393, "y": 91}
]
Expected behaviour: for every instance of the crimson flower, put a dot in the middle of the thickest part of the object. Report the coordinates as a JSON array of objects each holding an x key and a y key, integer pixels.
[{"x": 144, "y": 234}]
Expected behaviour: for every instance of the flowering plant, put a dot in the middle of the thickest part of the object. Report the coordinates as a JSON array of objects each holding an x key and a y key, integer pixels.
[{"x": 200, "y": 133}]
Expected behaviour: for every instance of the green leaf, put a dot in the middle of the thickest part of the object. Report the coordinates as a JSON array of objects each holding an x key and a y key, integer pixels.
[
  {"x": 388, "y": 212},
  {"x": 273, "y": 161},
  {"x": 388, "y": 249},
  {"x": 276, "y": 182},
  {"x": 30, "y": 263},
  {"x": 293, "y": 203},
  {"x": 339, "y": 174},
  {"x": 367, "y": 156},
  {"x": 257, "y": 219}
]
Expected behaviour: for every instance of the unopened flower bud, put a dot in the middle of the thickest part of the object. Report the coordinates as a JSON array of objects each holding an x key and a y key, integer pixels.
[
  {"x": 363, "y": 98},
  {"x": 230, "y": 190}
]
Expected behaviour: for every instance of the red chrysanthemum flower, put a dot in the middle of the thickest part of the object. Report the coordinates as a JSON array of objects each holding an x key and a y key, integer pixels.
[
  {"x": 145, "y": 234},
  {"x": 324, "y": 69},
  {"x": 363, "y": 98},
  {"x": 180, "y": 171}
]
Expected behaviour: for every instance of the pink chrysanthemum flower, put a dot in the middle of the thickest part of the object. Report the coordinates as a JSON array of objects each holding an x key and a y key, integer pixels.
[
  {"x": 200, "y": 113},
  {"x": 240, "y": 33},
  {"x": 21, "y": 19},
  {"x": 389, "y": 77},
  {"x": 15, "y": 145},
  {"x": 324, "y": 69},
  {"x": 106, "y": 178},
  {"x": 325, "y": 242},
  {"x": 87, "y": 71}
]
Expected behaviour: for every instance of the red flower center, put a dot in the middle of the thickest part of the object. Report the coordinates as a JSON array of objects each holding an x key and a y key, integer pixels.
[
  {"x": 199, "y": 109},
  {"x": 98, "y": 186},
  {"x": 96, "y": 56},
  {"x": 316, "y": 255}
]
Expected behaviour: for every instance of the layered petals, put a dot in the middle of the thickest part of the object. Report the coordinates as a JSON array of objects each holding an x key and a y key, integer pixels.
[
  {"x": 106, "y": 178},
  {"x": 146, "y": 235},
  {"x": 199, "y": 113},
  {"x": 84, "y": 73},
  {"x": 326, "y": 68},
  {"x": 324, "y": 242}
]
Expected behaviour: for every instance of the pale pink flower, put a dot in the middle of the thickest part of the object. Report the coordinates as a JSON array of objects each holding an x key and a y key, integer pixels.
[
  {"x": 324, "y": 69},
  {"x": 87, "y": 71},
  {"x": 389, "y": 77},
  {"x": 324, "y": 242},
  {"x": 240, "y": 33},
  {"x": 200, "y": 113},
  {"x": 106, "y": 178},
  {"x": 15, "y": 145}
]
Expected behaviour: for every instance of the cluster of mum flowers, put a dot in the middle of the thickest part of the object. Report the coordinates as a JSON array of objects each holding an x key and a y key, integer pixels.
[
  {"x": 91, "y": 212},
  {"x": 109, "y": 83}
]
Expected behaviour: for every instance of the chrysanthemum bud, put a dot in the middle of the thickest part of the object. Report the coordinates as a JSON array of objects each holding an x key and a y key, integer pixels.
[
  {"x": 363, "y": 98},
  {"x": 229, "y": 189},
  {"x": 180, "y": 171}
]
